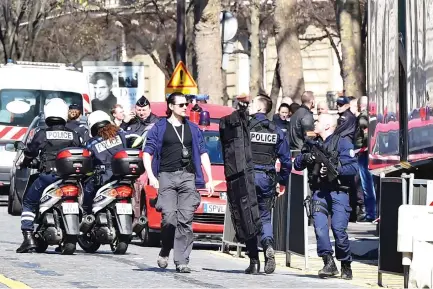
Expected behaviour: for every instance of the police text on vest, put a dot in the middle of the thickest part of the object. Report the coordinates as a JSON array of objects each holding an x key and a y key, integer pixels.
[
  {"x": 60, "y": 135},
  {"x": 260, "y": 137},
  {"x": 108, "y": 144}
]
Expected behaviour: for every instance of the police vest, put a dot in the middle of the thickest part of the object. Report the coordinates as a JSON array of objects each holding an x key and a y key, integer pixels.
[
  {"x": 58, "y": 138},
  {"x": 264, "y": 137},
  {"x": 104, "y": 150}
]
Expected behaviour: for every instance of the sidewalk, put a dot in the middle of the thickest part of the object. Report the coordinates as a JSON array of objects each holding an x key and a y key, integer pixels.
[{"x": 363, "y": 243}]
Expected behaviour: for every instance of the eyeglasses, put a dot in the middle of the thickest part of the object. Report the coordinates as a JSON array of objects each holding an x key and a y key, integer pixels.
[{"x": 181, "y": 104}]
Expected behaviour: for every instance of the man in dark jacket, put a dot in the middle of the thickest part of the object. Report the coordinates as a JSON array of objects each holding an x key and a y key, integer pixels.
[
  {"x": 302, "y": 121},
  {"x": 361, "y": 138},
  {"x": 347, "y": 120},
  {"x": 142, "y": 122}
]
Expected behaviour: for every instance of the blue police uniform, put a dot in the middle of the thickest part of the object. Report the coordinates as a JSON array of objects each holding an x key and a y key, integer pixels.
[
  {"x": 333, "y": 199},
  {"x": 46, "y": 143},
  {"x": 80, "y": 129},
  {"x": 102, "y": 152},
  {"x": 268, "y": 142}
]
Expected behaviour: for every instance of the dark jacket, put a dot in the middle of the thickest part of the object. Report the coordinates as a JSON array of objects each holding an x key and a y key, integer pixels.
[
  {"x": 138, "y": 126},
  {"x": 346, "y": 125},
  {"x": 301, "y": 122},
  {"x": 105, "y": 105},
  {"x": 154, "y": 142},
  {"x": 361, "y": 137}
]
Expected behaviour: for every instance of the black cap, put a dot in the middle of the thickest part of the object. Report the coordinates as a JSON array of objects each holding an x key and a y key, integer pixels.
[
  {"x": 74, "y": 106},
  {"x": 142, "y": 102}
]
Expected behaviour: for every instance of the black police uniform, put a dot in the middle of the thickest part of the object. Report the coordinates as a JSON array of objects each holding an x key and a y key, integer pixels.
[
  {"x": 102, "y": 152},
  {"x": 46, "y": 143},
  {"x": 80, "y": 129},
  {"x": 137, "y": 126}
]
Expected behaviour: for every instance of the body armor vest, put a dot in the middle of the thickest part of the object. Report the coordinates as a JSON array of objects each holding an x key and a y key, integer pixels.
[
  {"x": 58, "y": 138},
  {"x": 264, "y": 137}
]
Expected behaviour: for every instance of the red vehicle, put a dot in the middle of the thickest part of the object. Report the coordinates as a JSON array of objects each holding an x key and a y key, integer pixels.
[{"x": 208, "y": 220}]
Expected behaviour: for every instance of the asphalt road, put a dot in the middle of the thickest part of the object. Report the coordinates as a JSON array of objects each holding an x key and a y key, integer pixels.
[{"x": 136, "y": 269}]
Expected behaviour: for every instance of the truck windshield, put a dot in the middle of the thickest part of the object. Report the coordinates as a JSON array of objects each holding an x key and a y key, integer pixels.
[
  {"x": 36, "y": 99},
  {"x": 213, "y": 145}
]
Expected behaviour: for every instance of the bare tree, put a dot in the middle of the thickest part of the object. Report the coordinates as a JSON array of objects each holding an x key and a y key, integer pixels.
[
  {"x": 349, "y": 21},
  {"x": 288, "y": 48},
  {"x": 255, "y": 74},
  {"x": 208, "y": 49},
  {"x": 21, "y": 22}
]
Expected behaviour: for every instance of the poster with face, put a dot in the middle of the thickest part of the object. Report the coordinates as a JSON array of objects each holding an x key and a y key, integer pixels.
[{"x": 112, "y": 83}]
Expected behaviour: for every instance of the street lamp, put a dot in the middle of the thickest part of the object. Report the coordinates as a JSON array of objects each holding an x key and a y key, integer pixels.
[{"x": 123, "y": 41}]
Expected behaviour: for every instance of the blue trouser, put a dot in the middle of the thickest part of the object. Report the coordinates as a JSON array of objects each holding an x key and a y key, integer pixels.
[
  {"x": 90, "y": 189},
  {"x": 335, "y": 204},
  {"x": 265, "y": 190},
  {"x": 32, "y": 197},
  {"x": 367, "y": 186}
]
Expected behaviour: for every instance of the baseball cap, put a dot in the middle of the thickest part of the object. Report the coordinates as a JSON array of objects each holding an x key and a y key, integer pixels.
[
  {"x": 74, "y": 106},
  {"x": 342, "y": 100}
]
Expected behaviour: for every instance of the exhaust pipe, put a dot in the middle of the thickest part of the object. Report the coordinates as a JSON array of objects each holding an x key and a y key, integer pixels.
[
  {"x": 87, "y": 223},
  {"x": 139, "y": 225}
]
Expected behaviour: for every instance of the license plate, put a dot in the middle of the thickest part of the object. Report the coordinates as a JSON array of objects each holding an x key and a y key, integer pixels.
[
  {"x": 223, "y": 196},
  {"x": 214, "y": 209},
  {"x": 123, "y": 209},
  {"x": 70, "y": 208}
]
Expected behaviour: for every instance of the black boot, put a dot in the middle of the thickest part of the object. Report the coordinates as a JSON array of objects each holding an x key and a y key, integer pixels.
[
  {"x": 28, "y": 244},
  {"x": 269, "y": 257},
  {"x": 330, "y": 269},
  {"x": 254, "y": 267},
  {"x": 346, "y": 270}
]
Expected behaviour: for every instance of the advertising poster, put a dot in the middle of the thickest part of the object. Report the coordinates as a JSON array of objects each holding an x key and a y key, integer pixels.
[{"x": 112, "y": 83}]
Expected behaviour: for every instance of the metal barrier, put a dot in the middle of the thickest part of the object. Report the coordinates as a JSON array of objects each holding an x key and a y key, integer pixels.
[
  {"x": 289, "y": 221},
  {"x": 412, "y": 192}
]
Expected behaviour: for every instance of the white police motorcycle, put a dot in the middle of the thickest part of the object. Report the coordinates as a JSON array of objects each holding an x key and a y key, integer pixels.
[
  {"x": 112, "y": 219},
  {"x": 58, "y": 218}
]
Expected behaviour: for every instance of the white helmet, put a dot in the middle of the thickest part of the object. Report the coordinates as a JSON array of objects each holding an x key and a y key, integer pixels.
[
  {"x": 56, "y": 110},
  {"x": 97, "y": 120}
]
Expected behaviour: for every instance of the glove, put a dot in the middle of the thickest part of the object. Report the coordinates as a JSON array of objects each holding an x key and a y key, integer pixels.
[
  {"x": 308, "y": 158},
  {"x": 323, "y": 171}
]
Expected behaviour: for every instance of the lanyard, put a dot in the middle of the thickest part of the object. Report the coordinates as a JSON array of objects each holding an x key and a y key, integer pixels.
[{"x": 183, "y": 130}]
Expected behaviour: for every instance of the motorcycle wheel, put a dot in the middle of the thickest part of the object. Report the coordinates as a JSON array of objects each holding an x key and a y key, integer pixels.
[
  {"x": 87, "y": 245},
  {"x": 69, "y": 245},
  {"x": 120, "y": 244}
]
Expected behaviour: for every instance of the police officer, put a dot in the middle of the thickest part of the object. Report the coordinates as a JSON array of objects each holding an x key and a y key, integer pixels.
[
  {"x": 46, "y": 143},
  {"x": 74, "y": 124},
  {"x": 268, "y": 142},
  {"x": 142, "y": 121},
  {"x": 107, "y": 139},
  {"x": 331, "y": 199},
  {"x": 347, "y": 120}
]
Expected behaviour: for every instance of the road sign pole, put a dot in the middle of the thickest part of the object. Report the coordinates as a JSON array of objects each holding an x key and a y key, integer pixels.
[{"x": 180, "y": 33}]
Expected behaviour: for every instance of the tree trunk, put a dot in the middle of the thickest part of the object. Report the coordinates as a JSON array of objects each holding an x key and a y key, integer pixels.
[
  {"x": 191, "y": 61},
  {"x": 208, "y": 49},
  {"x": 348, "y": 14},
  {"x": 255, "y": 73},
  {"x": 275, "y": 91},
  {"x": 289, "y": 50}
]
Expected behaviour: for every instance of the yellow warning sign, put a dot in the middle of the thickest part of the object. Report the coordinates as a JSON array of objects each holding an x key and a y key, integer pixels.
[{"x": 181, "y": 81}]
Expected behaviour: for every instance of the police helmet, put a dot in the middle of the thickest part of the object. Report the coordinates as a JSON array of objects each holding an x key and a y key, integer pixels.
[
  {"x": 56, "y": 111},
  {"x": 97, "y": 120}
]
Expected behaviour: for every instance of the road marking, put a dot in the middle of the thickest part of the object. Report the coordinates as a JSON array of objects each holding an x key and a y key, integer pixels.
[{"x": 12, "y": 283}]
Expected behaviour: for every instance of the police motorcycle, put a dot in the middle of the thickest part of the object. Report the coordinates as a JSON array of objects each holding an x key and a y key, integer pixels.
[
  {"x": 59, "y": 213},
  {"x": 112, "y": 219}
]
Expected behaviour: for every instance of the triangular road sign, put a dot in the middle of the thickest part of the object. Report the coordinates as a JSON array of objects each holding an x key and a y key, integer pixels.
[{"x": 181, "y": 81}]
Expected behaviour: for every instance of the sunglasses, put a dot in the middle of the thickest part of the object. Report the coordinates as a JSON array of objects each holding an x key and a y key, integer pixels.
[{"x": 182, "y": 104}]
